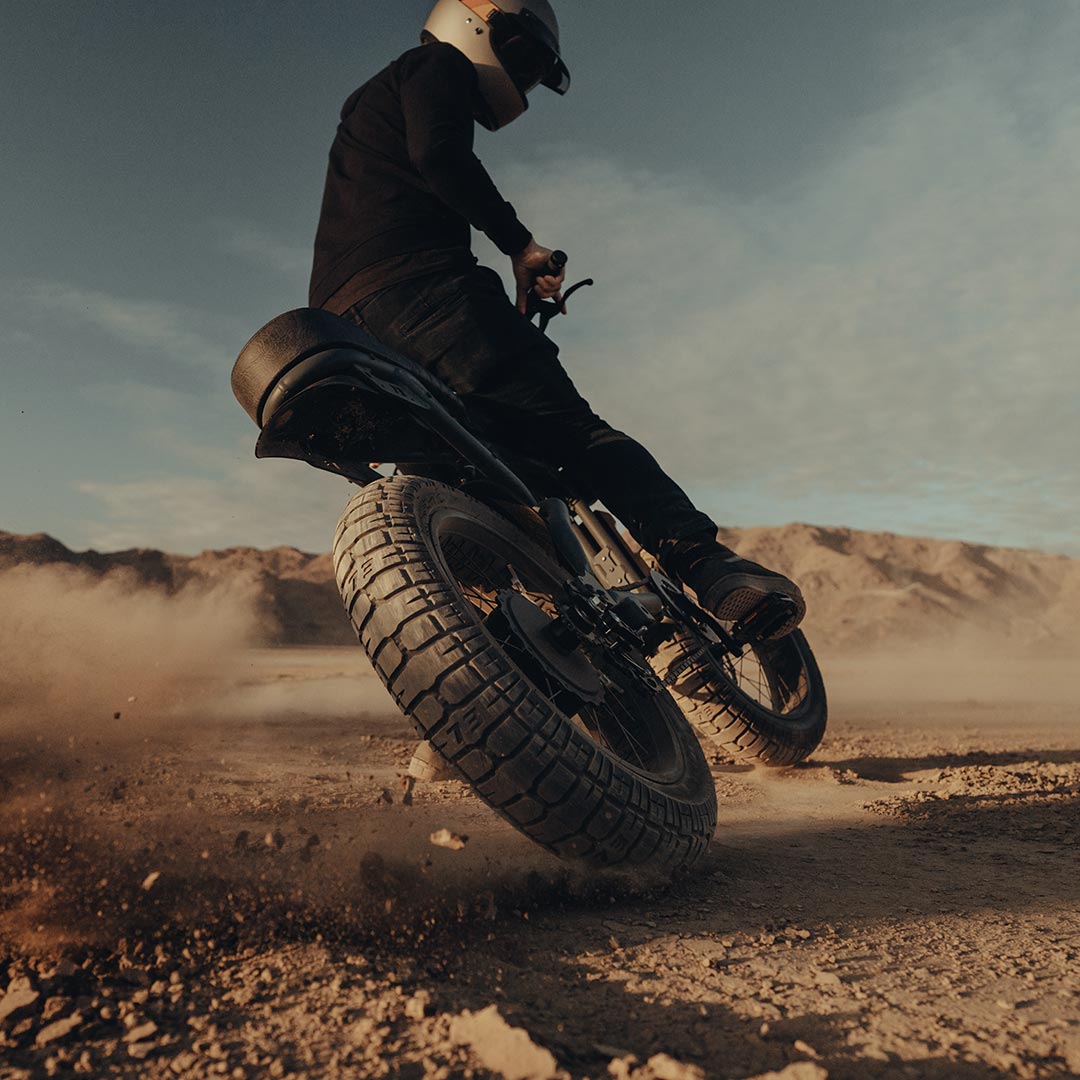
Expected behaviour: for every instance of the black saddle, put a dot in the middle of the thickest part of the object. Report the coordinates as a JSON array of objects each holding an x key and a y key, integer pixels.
[{"x": 304, "y": 346}]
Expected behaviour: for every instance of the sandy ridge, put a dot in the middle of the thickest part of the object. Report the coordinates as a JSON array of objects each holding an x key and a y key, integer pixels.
[{"x": 862, "y": 587}]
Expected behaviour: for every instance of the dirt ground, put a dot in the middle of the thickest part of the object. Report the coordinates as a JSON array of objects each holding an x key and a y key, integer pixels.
[{"x": 243, "y": 886}]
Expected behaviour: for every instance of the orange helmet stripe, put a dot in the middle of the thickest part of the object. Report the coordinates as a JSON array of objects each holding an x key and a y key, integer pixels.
[{"x": 484, "y": 8}]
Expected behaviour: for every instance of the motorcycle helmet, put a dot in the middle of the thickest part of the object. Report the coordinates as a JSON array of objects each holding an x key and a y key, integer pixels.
[{"x": 513, "y": 44}]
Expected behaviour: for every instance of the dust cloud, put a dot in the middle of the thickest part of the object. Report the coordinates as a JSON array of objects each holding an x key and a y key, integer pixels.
[
  {"x": 970, "y": 665},
  {"x": 81, "y": 648}
]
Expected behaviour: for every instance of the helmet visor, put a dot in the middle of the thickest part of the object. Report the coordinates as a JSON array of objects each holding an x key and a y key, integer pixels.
[{"x": 528, "y": 52}]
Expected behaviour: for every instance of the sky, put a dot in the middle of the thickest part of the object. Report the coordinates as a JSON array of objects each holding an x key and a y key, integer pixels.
[{"x": 835, "y": 246}]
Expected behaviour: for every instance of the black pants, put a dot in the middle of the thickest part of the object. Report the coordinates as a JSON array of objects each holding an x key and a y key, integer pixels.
[{"x": 463, "y": 328}]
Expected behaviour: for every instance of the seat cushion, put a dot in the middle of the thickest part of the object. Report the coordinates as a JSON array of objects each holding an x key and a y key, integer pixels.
[{"x": 290, "y": 338}]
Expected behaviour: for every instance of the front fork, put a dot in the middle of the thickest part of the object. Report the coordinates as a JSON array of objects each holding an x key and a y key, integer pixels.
[
  {"x": 615, "y": 563},
  {"x": 617, "y": 566}
]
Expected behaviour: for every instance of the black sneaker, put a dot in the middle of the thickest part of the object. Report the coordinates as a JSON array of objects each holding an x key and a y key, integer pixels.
[{"x": 729, "y": 586}]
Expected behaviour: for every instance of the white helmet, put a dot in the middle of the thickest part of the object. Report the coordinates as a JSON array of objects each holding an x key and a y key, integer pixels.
[{"x": 513, "y": 44}]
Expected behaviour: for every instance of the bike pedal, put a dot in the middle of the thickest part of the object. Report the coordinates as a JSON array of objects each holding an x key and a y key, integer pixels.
[{"x": 766, "y": 619}]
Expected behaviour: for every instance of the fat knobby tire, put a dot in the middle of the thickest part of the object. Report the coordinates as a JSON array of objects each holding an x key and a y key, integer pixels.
[
  {"x": 521, "y": 755},
  {"x": 730, "y": 718}
]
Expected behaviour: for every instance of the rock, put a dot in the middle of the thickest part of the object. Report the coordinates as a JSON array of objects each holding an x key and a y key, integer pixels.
[
  {"x": 667, "y": 1068},
  {"x": 148, "y": 881},
  {"x": 417, "y": 1006},
  {"x": 799, "y": 1070},
  {"x": 183, "y": 1061},
  {"x": 54, "y": 1006},
  {"x": 17, "y": 1002},
  {"x": 501, "y": 1048},
  {"x": 141, "y": 1033},
  {"x": 447, "y": 839},
  {"x": 60, "y": 1029},
  {"x": 805, "y": 1048}
]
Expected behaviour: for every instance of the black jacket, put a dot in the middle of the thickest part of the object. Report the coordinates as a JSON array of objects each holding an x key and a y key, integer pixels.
[{"x": 403, "y": 180}]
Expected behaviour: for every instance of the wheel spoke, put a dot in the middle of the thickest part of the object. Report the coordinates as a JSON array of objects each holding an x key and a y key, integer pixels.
[{"x": 627, "y": 722}]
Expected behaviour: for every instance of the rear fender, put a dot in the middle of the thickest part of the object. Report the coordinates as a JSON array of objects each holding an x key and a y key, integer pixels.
[{"x": 343, "y": 422}]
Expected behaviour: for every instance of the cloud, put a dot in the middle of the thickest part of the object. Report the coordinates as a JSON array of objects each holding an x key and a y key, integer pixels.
[
  {"x": 900, "y": 324},
  {"x": 218, "y": 496},
  {"x": 161, "y": 328},
  {"x": 264, "y": 249}
]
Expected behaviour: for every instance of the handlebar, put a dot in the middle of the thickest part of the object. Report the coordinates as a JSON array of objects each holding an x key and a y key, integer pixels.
[
  {"x": 557, "y": 261},
  {"x": 548, "y": 309}
]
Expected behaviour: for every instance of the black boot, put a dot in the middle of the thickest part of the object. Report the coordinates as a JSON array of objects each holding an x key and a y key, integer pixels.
[{"x": 727, "y": 585}]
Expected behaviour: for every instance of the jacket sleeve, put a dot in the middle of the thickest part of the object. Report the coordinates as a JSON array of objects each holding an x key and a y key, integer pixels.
[{"x": 438, "y": 87}]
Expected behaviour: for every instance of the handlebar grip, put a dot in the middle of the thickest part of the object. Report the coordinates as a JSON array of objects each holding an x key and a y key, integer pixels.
[{"x": 557, "y": 261}]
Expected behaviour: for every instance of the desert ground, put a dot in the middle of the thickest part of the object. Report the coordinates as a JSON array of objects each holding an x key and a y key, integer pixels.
[{"x": 211, "y": 864}]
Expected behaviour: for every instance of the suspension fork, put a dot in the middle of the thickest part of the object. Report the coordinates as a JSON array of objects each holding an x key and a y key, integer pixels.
[{"x": 615, "y": 564}]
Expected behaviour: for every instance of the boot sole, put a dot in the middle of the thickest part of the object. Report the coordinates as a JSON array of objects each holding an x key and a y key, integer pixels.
[{"x": 731, "y": 599}]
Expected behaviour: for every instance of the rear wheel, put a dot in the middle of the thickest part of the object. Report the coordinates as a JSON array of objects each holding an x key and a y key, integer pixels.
[{"x": 448, "y": 598}]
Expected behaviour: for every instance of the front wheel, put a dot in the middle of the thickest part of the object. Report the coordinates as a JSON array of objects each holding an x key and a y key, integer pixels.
[{"x": 435, "y": 583}]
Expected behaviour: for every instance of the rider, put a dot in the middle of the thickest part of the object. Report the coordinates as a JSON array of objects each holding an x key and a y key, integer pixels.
[{"x": 393, "y": 254}]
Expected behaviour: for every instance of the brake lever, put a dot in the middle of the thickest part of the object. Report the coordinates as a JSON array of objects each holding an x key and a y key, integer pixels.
[{"x": 548, "y": 309}]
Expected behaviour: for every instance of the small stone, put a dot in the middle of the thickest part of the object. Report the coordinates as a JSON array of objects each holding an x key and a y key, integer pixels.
[
  {"x": 446, "y": 839},
  {"x": 140, "y": 1050},
  {"x": 16, "y": 1002},
  {"x": 798, "y": 1070},
  {"x": 502, "y": 1048},
  {"x": 148, "y": 881},
  {"x": 141, "y": 1033},
  {"x": 54, "y": 1006},
  {"x": 667, "y": 1068},
  {"x": 60, "y": 1029},
  {"x": 805, "y": 1048},
  {"x": 417, "y": 1006}
]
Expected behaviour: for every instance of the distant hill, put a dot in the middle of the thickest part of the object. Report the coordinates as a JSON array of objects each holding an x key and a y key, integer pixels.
[
  {"x": 297, "y": 599},
  {"x": 863, "y": 588}
]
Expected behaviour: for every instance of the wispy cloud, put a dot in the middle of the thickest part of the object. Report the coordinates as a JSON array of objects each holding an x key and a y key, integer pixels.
[
  {"x": 163, "y": 329},
  {"x": 266, "y": 250},
  {"x": 243, "y": 501}
]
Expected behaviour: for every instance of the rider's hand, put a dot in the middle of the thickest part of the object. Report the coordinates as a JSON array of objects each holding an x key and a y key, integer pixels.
[{"x": 530, "y": 262}]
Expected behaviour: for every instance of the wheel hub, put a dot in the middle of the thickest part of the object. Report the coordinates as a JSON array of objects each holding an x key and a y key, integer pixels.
[{"x": 535, "y": 632}]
